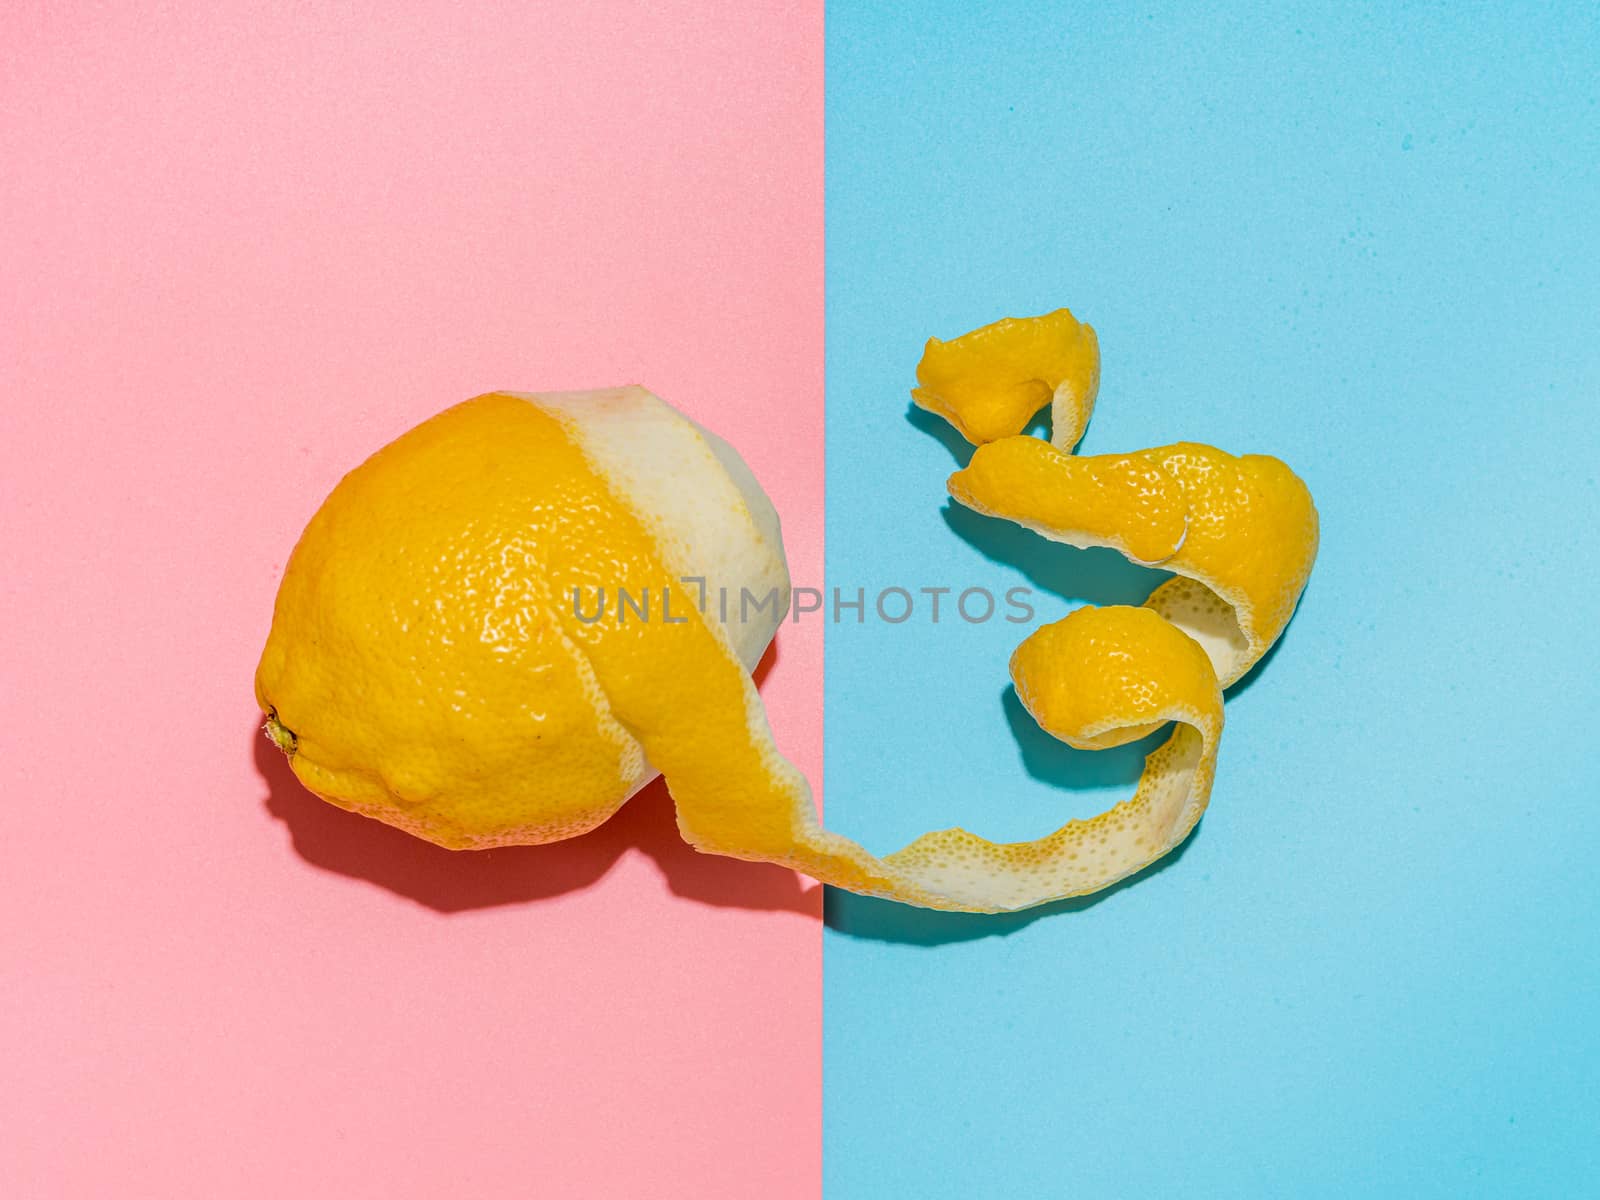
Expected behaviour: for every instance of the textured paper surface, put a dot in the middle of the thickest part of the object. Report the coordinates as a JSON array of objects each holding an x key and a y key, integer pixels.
[
  {"x": 242, "y": 248},
  {"x": 1365, "y": 241}
]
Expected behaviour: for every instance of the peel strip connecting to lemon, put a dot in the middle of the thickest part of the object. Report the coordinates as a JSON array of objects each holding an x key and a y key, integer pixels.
[{"x": 509, "y": 620}]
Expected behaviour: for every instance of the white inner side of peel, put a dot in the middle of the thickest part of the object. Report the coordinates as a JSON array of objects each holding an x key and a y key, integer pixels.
[{"x": 708, "y": 515}]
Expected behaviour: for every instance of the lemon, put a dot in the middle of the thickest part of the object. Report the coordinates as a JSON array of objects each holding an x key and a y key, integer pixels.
[
  {"x": 427, "y": 664},
  {"x": 502, "y": 625}
]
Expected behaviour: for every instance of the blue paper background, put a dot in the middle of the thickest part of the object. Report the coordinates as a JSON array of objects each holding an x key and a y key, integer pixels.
[{"x": 1366, "y": 243}]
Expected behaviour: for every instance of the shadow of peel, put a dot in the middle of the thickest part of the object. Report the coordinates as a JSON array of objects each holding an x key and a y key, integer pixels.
[{"x": 450, "y": 881}]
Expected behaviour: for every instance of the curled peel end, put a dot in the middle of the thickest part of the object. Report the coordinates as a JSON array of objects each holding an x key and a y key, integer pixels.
[{"x": 991, "y": 382}]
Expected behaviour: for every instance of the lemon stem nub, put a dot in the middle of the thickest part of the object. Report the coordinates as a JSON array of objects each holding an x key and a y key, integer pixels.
[{"x": 282, "y": 736}]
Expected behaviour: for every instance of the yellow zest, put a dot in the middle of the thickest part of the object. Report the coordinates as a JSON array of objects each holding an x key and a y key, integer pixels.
[{"x": 991, "y": 382}]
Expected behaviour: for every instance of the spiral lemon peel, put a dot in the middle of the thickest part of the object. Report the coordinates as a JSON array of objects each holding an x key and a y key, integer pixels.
[
  {"x": 1239, "y": 535},
  {"x": 437, "y": 677}
]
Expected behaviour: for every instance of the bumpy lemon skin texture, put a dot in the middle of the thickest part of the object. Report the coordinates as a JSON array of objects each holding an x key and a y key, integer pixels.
[
  {"x": 1125, "y": 502},
  {"x": 1242, "y": 528},
  {"x": 991, "y": 382},
  {"x": 418, "y": 651}
]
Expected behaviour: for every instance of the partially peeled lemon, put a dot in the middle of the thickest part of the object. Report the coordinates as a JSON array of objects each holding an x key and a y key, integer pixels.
[
  {"x": 506, "y": 622},
  {"x": 467, "y": 637}
]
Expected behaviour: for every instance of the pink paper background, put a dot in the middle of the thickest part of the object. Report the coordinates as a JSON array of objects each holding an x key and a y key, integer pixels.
[{"x": 240, "y": 251}]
